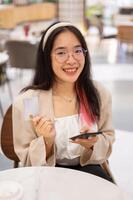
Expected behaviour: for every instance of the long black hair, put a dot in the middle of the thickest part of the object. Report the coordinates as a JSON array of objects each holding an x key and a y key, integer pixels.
[{"x": 44, "y": 76}]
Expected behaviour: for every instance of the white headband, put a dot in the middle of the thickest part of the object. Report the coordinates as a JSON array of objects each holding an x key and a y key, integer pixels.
[{"x": 51, "y": 29}]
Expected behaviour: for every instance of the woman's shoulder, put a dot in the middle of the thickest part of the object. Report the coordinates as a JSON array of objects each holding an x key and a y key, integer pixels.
[
  {"x": 26, "y": 94},
  {"x": 30, "y": 93},
  {"x": 18, "y": 101}
]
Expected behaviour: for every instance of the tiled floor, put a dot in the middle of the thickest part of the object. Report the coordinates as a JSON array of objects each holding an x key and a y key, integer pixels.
[{"x": 114, "y": 68}]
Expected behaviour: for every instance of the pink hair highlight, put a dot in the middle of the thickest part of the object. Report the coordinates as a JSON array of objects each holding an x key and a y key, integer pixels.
[{"x": 85, "y": 110}]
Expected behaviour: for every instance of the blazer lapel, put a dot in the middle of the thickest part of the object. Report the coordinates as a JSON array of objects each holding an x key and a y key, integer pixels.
[{"x": 46, "y": 104}]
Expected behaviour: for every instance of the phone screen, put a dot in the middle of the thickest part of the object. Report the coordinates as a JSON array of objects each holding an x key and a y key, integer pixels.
[{"x": 86, "y": 135}]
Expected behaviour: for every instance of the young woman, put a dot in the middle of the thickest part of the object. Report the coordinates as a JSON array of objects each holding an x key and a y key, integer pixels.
[{"x": 63, "y": 101}]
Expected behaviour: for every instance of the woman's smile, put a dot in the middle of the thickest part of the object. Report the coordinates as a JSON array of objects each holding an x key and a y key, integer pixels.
[{"x": 70, "y": 71}]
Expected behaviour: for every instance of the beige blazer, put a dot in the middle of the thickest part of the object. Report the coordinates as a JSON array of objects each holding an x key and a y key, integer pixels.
[{"x": 31, "y": 149}]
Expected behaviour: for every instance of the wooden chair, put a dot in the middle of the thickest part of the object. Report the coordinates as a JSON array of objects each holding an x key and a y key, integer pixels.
[
  {"x": 125, "y": 34},
  {"x": 7, "y": 137}
]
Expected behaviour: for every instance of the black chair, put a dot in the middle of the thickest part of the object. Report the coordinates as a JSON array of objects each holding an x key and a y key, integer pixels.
[{"x": 22, "y": 54}]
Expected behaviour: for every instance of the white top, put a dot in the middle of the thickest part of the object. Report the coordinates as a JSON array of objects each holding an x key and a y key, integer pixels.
[{"x": 68, "y": 153}]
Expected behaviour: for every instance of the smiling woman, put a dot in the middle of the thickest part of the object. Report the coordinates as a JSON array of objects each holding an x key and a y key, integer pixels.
[
  {"x": 68, "y": 57},
  {"x": 68, "y": 102}
]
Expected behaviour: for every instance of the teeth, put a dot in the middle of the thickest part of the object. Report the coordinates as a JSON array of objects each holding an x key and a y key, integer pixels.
[{"x": 70, "y": 70}]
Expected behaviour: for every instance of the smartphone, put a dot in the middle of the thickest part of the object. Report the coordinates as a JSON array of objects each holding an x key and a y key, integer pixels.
[{"x": 86, "y": 135}]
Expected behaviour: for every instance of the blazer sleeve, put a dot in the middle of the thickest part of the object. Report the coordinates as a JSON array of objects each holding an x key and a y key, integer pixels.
[
  {"x": 29, "y": 148},
  {"x": 103, "y": 147}
]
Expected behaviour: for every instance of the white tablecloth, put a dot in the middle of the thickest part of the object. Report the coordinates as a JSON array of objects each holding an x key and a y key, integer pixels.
[{"x": 52, "y": 183}]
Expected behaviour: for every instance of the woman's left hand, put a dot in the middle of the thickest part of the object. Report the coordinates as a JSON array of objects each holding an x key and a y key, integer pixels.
[{"x": 86, "y": 143}]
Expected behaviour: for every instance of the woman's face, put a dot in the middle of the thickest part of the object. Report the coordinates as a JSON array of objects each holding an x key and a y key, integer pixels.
[{"x": 68, "y": 57}]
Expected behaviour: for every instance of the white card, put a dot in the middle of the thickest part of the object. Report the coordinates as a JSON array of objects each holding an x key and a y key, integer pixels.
[{"x": 31, "y": 107}]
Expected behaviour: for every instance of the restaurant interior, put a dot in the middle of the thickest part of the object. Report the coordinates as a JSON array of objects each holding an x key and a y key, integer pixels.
[{"x": 108, "y": 30}]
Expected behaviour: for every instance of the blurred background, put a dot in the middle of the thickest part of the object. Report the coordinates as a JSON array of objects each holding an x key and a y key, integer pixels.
[{"x": 107, "y": 26}]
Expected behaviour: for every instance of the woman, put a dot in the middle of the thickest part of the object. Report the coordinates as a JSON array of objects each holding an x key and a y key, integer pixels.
[{"x": 69, "y": 103}]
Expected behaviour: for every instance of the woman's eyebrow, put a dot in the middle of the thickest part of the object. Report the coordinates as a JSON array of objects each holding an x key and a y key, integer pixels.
[
  {"x": 60, "y": 48},
  {"x": 79, "y": 45},
  {"x": 64, "y": 48}
]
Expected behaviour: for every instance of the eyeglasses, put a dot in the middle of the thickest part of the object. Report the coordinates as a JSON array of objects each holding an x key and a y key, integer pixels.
[{"x": 62, "y": 54}]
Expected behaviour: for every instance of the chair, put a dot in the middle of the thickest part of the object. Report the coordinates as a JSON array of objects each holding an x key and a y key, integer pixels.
[
  {"x": 7, "y": 138},
  {"x": 22, "y": 54},
  {"x": 125, "y": 34}
]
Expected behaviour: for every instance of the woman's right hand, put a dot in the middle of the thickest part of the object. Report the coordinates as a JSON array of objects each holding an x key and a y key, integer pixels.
[{"x": 44, "y": 126}]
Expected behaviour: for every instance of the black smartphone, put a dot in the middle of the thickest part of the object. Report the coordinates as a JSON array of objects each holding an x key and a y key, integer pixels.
[{"x": 86, "y": 135}]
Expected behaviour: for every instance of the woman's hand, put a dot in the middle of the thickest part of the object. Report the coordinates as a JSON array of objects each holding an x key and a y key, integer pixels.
[
  {"x": 44, "y": 126},
  {"x": 86, "y": 143}
]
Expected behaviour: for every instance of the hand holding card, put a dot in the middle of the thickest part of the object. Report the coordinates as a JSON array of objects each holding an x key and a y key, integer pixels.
[{"x": 31, "y": 107}]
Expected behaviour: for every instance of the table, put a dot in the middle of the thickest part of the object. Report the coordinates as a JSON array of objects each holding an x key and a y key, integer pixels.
[
  {"x": 53, "y": 183},
  {"x": 120, "y": 19}
]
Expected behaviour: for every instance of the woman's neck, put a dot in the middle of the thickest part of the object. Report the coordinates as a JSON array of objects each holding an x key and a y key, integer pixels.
[
  {"x": 67, "y": 90},
  {"x": 65, "y": 100}
]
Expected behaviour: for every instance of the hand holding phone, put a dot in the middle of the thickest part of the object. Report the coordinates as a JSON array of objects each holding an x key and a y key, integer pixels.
[{"x": 86, "y": 135}]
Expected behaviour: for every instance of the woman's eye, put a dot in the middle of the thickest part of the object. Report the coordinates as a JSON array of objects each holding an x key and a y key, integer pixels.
[
  {"x": 78, "y": 51},
  {"x": 61, "y": 53}
]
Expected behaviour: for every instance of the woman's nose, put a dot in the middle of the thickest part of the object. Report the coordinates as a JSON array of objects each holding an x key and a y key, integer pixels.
[{"x": 71, "y": 58}]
